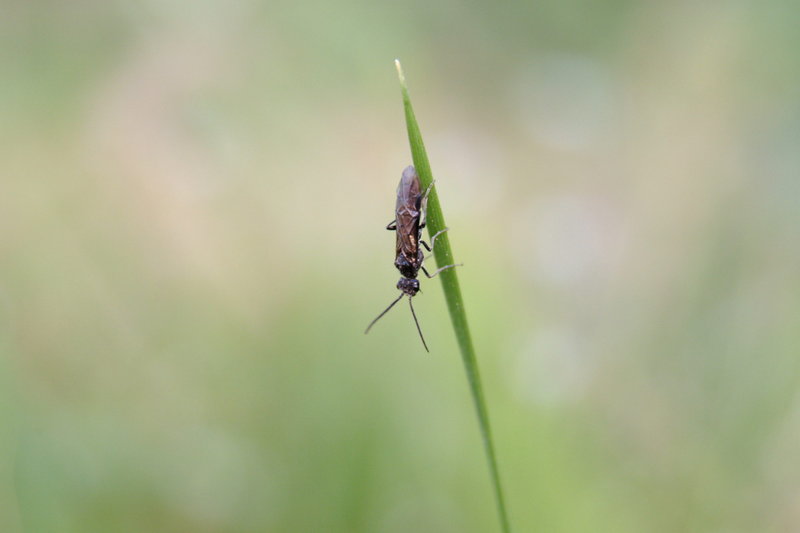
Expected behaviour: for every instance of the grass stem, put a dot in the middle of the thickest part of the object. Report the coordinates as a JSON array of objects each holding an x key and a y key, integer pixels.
[{"x": 443, "y": 254}]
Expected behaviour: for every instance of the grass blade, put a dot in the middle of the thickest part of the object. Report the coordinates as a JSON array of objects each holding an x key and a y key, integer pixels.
[{"x": 452, "y": 292}]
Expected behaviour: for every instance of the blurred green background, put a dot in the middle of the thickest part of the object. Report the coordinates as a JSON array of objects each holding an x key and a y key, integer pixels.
[{"x": 193, "y": 199}]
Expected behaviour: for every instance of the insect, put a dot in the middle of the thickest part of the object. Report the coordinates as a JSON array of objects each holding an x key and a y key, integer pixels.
[{"x": 408, "y": 224}]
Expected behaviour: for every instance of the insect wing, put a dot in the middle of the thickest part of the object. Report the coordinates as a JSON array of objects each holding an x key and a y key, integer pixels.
[{"x": 407, "y": 213}]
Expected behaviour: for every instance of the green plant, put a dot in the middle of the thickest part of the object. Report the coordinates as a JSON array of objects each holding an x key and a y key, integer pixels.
[{"x": 452, "y": 293}]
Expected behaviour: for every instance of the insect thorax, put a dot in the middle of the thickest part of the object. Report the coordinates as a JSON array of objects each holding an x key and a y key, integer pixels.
[{"x": 407, "y": 268}]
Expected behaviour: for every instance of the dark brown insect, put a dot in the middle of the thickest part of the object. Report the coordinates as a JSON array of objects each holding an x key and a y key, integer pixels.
[{"x": 409, "y": 222}]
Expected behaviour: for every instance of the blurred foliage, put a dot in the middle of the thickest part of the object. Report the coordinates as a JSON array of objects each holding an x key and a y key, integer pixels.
[{"x": 188, "y": 263}]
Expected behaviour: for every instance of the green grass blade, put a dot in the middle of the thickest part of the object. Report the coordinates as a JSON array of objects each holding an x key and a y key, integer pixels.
[{"x": 452, "y": 292}]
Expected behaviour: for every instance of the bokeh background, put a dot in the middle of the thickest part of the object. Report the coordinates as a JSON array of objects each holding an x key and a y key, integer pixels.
[{"x": 192, "y": 204}]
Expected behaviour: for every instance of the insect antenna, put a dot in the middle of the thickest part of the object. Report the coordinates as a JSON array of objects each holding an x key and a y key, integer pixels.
[
  {"x": 417, "y": 323},
  {"x": 384, "y": 312}
]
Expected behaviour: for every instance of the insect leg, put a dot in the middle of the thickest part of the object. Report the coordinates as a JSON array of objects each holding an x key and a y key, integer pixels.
[
  {"x": 440, "y": 269},
  {"x": 423, "y": 204},
  {"x": 427, "y": 191},
  {"x": 433, "y": 240},
  {"x": 392, "y": 226}
]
